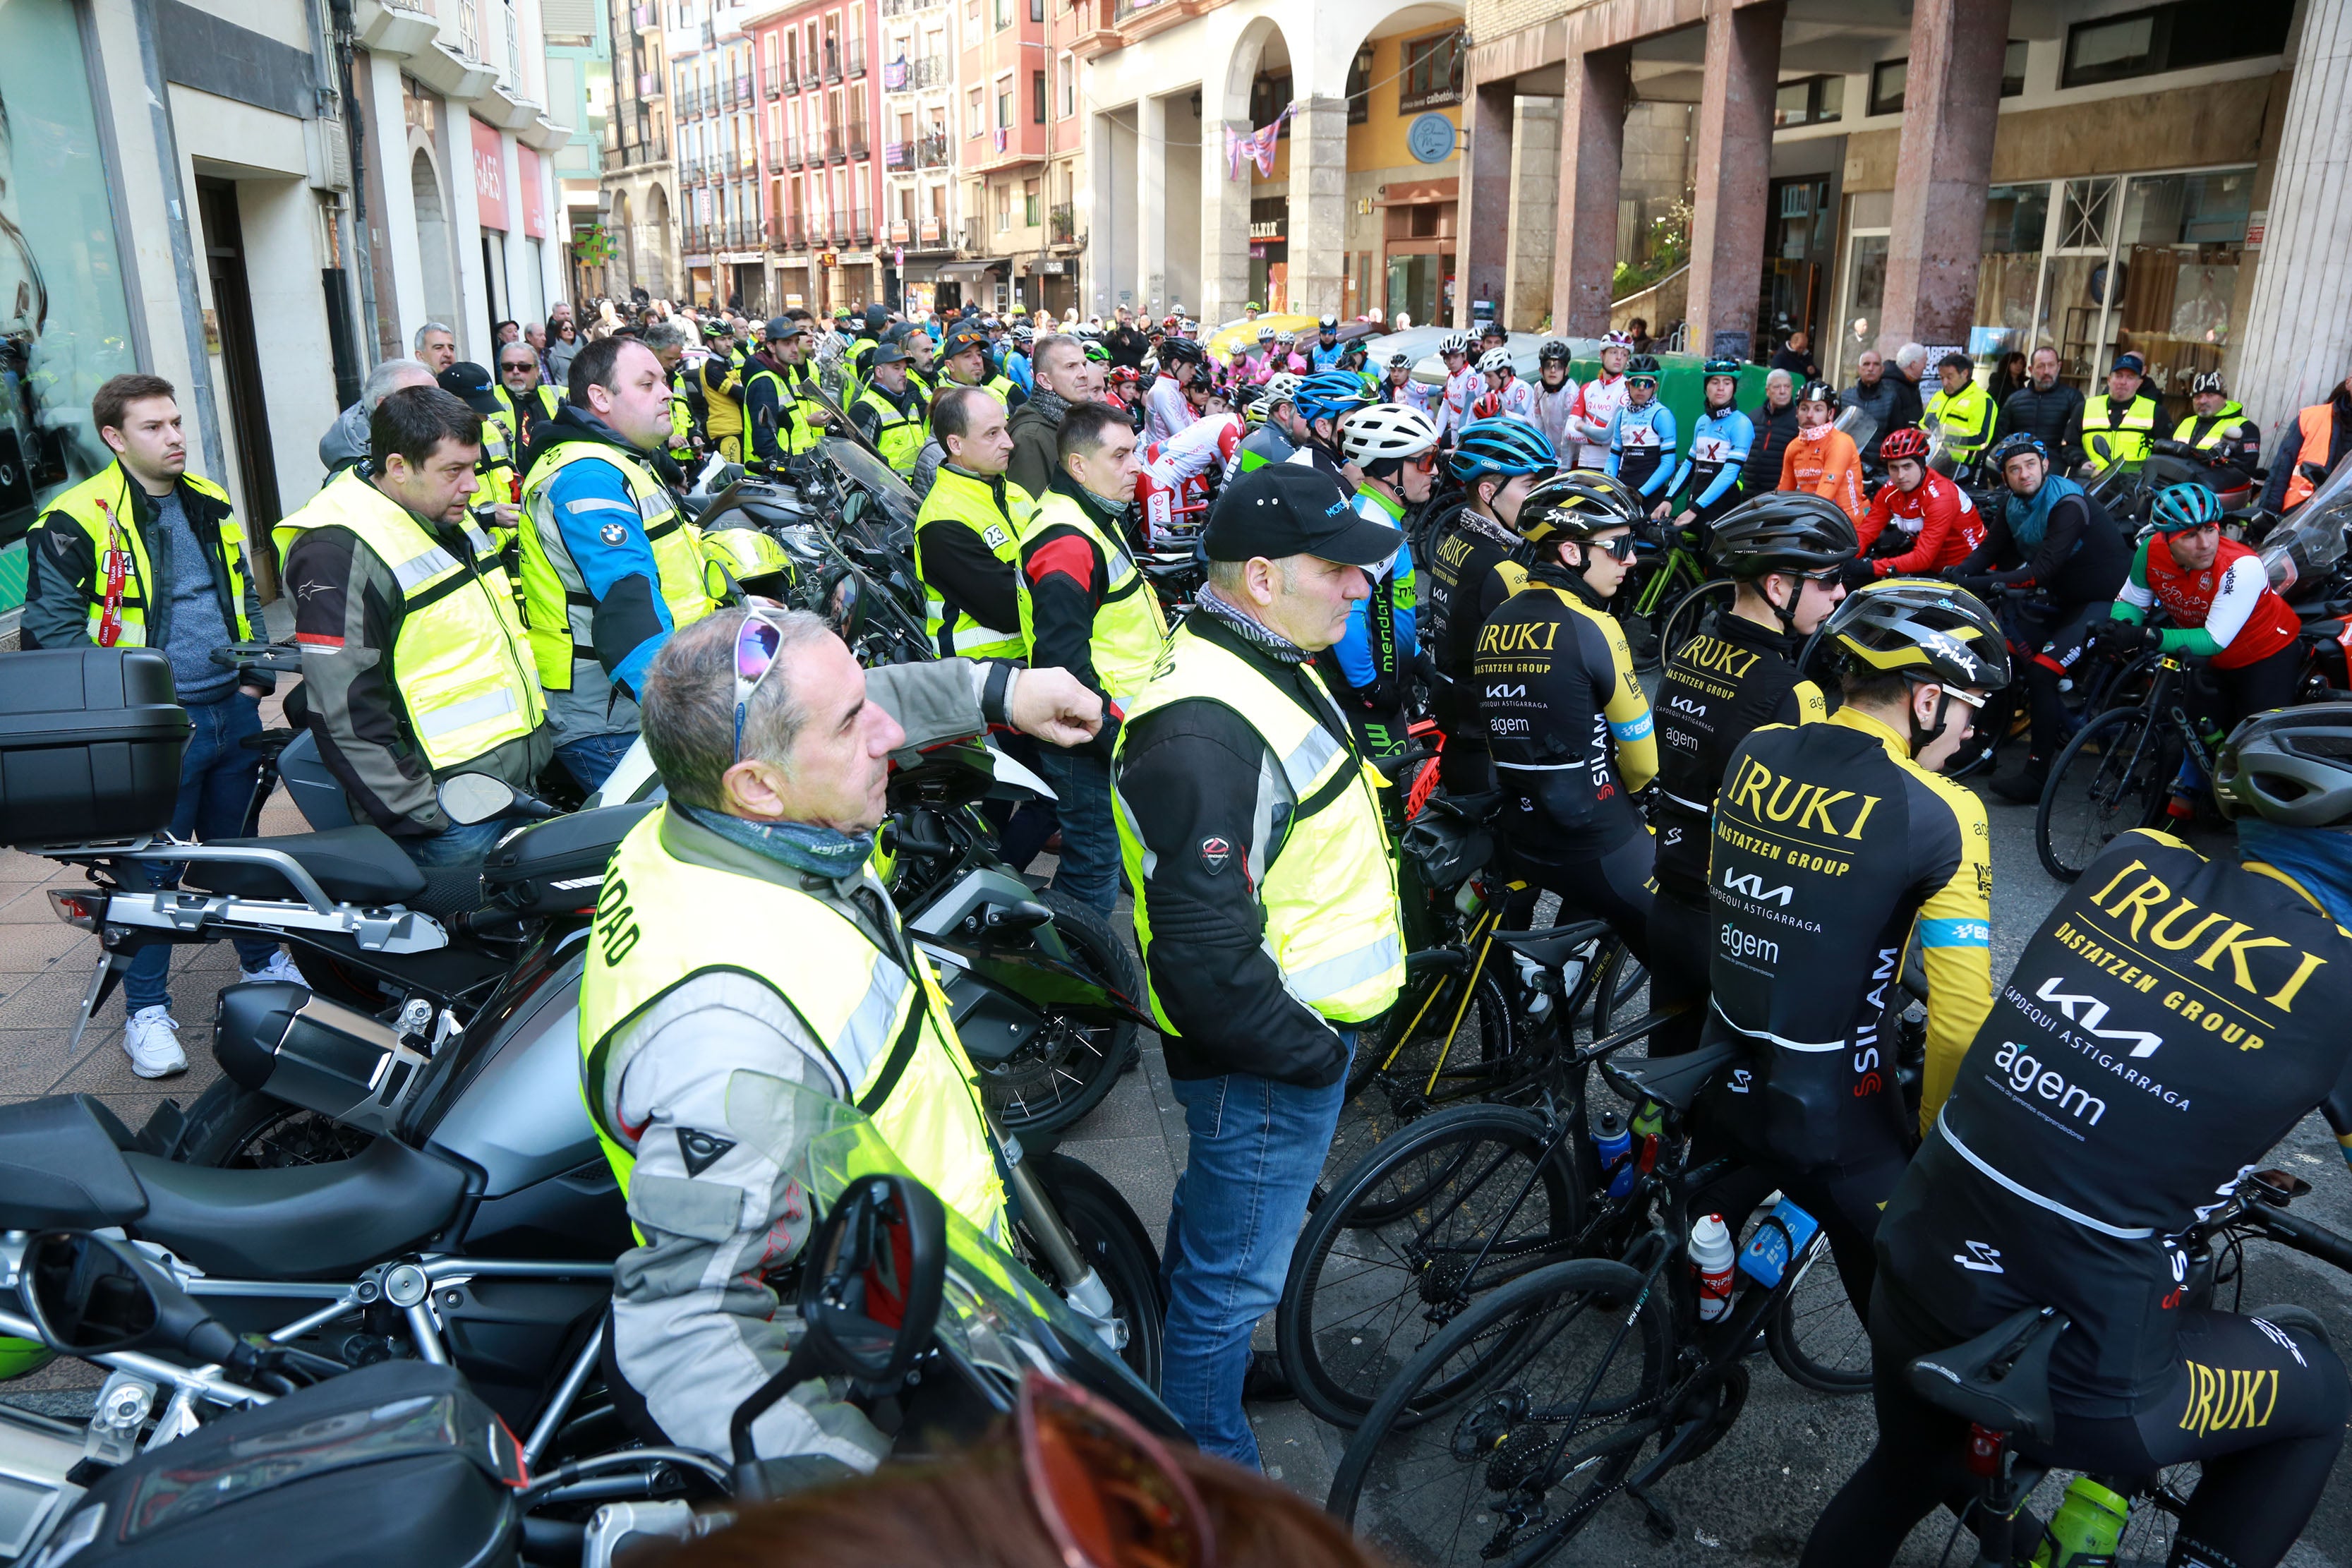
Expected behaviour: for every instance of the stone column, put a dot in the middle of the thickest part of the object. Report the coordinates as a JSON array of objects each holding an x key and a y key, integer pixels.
[
  {"x": 1151, "y": 206},
  {"x": 1592, "y": 153},
  {"x": 2297, "y": 341},
  {"x": 1951, "y": 104},
  {"x": 1318, "y": 231},
  {"x": 1482, "y": 224},
  {"x": 1224, "y": 224},
  {"x": 1733, "y": 151},
  {"x": 1535, "y": 158}
]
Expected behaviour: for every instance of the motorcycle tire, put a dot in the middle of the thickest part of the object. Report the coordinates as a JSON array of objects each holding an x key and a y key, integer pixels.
[
  {"x": 231, "y": 1127},
  {"x": 1113, "y": 1239},
  {"x": 1064, "y": 1076}
]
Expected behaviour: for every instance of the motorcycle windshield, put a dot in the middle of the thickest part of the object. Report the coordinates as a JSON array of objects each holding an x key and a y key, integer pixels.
[
  {"x": 877, "y": 478},
  {"x": 1858, "y": 424}
]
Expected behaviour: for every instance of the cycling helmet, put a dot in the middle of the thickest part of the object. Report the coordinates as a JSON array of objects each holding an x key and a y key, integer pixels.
[
  {"x": 2182, "y": 507},
  {"x": 2291, "y": 766},
  {"x": 1597, "y": 500},
  {"x": 1495, "y": 359},
  {"x": 1455, "y": 344},
  {"x": 1904, "y": 443},
  {"x": 1553, "y": 349},
  {"x": 1182, "y": 350},
  {"x": 1492, "y": 328},
  {"x": 1730, "y": 367},
  {"x": 1266, "y": 334},
  {"x": 1328, "y": 325},
  {"x": 2208, "y": 380},
  {"x": 1616, "y": 341},
  {"x": 2017, "y": 446},
  {"x": 1386, "y": 431},
  {"x": 1022, "y": 332},
  {"x": 1400, "y": 362},
  {"x": 1817, "y": 391},
  {"x": 1252, "y": 402},
  {"x": 1327, "y": 394},
  {"x": 1489, "y": 406},
  {"x": 1642, "y": 367},
  {"x": 1096, "y": 352},
  {"x": 19, "y": 1357},
  {"x": 1282, "y": 388},
  {"x": 1287, "y": 339},
  {"x": 1923, "y": 628},
  {"x": 1502, "y": 448},
  {"x": 1783, "y": 531}
]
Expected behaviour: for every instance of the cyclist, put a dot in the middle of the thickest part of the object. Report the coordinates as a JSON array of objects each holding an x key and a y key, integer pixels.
[
  {"x": 1598, "y": 400},
  {"x": 1325, "y": 352},
  {"x": 1166, "y": 408},
  {"x": 1321, "y": 401},
  {"x": 1555, "y": 394},
  {"x": 1641, "y": 436},
  {"x": 1396, "y": 383},
  {"x": 1472, "y": 569},
  {"x": 1963, "y": 411},
  {"x": 2219, "y": 433},
  {"x": 1935, "y": 523},
  {"x": 1571, "y": 732},
  {"x": 1784, "y": 551},
  {"x": 1273, "y": 421},
  {"x": 1833, "y": 843},
  {"x": 2223, "y": 610},
  {"x": 1371, "y": 667},
  {"x": 1821, "y": 458},
  {"x": 2051, "y": 534},
  {"x": 2093, "y": 1120},
  {"x": 1718, "y": 450},
  {"x": 1462, "y": 387},
  {"x": 1512, "y": 397},
  {"x": 1258, "y": 364}
]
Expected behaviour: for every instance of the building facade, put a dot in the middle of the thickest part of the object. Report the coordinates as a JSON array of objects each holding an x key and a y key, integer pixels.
[
  {"x": 822, "y": 97},
  {"x": 923, "y": 205},
  {"x": 1017, "y": 157},
  {"x": 638, "y": 233}
]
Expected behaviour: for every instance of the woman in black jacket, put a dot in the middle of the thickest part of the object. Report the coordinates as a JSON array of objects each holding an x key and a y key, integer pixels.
[
  {"x": 1776, "y": 426},
  {"x": 2007, "y": 377}
]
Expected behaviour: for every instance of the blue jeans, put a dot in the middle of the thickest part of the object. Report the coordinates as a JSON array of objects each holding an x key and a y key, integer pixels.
[
  {"x": 1088, "y": 871},
  {"x": 454, "y": 845},
  {"x": 591, "y": 759},
  {"x": 216, "y": 779},
  {"x": 1258, "y": 1147}
]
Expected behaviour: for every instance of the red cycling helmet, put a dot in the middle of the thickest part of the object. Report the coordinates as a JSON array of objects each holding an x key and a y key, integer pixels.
[{"x": 1908, "y": 444}]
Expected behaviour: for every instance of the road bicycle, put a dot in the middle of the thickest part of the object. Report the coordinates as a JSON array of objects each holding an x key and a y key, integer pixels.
[{"x": 1663, "y": 577}]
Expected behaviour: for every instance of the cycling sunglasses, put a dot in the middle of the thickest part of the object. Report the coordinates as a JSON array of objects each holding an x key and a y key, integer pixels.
[
  {"x": 1621, "y": 548},
  {"x": 756, "y": 643},
  {"x": 1426, "y": 462},
  {"x": 1110, "y": 1493}
]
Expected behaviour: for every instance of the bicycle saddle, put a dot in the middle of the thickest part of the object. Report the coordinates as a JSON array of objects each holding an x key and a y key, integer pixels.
[
  {"x": 1674, "y": 1081},
  {"x": 1998, "y": 1380},
  {"x": 1551, "y": 947}
]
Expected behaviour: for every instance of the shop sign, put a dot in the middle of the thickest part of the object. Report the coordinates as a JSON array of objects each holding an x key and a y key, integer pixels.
[
  {"x": 1051, "y": 267},
  {"x": 2255, "y": 222},
  {"x": 534, "y": 202},
  {"x": 1430, "y": 137},
  {"x": 489, "y": 177}
]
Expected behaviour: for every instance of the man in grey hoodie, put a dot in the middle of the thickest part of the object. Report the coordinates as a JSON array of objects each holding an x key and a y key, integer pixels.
[{"x": 346, "y": 441}]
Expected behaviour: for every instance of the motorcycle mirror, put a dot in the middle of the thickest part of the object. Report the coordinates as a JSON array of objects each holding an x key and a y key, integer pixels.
[
  {"x": 469, "y": 798},
  {"x": 89, "y": 1295},
  {"x": 844, "y": 607},
  {"x": 876, "y": 1270}
]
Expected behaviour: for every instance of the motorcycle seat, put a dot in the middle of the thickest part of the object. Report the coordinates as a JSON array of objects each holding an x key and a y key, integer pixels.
[
  {"x": 354, "y": 865},
  {"x": 62, "y": 1166},
  {"x": 306, "y": 1222}
]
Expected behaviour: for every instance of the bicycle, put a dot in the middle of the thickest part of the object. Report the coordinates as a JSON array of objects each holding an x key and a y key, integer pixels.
[
  {"x": 1501, "y": 1438},
  {"x": 1665, "y": 577}
]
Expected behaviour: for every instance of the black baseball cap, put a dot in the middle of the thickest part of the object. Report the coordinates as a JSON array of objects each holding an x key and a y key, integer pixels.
[
  {"x": 888, "y": 353},
  {"x": 471, "y": 384},
  {"x": 1292, "y": 509},
  {"x": 782, "y": 327}
]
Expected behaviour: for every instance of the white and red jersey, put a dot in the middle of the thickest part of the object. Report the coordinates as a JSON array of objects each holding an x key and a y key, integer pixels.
[
  {"x": 1597, "y": 402},
  {"x": 1518, "y": 400},
  {"x": 1555, "y": 407},
  {"x": 1943, "y": 523},
  {"x": 1165, "y": 410},
  {"x": 2231, "y": 600},
  {"x": 1172, "y": 492},
  {"x": 1455, "y": 401}
]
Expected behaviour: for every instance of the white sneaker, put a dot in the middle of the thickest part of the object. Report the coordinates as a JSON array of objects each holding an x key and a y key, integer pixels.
[
  {"x": 150, "y": 1038},
  {"x": 280, "y": 967}
]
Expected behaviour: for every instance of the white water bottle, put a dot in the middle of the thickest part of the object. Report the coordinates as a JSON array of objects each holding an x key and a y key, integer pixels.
[{"x": 1710, "y": 1256}]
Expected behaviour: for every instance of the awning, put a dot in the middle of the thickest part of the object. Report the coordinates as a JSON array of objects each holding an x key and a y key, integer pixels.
[{"x": 974, "y": 269}]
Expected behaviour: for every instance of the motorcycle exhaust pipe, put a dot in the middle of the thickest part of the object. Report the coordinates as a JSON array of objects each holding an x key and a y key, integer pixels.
[{"x": 292, "y": 1044}]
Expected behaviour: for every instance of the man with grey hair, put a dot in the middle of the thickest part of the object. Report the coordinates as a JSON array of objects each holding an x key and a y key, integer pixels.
[
  {"x": 670, "y": 339},
  {"x": 346, "y": 441},
  {"x": 1061, "y": 376},
  {"x": 1910, "y": 366},
  {"x": 436, "y": 345},
  {"x": 750, "y": 981}
]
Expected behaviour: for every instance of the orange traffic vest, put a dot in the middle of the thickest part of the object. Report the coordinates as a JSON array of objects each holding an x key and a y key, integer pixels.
[{"x": 2318, "y": 425}]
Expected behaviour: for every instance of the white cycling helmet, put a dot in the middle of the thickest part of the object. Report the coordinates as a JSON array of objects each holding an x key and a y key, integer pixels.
[
  {"x": 1286, "y": 339},
  {"x": 1494, "y": 360},
  {"x": 1266, "y": 334},
  {"x": 1455, "y": 343},
  {"x": 1281, "y": 388},
  {"x": 1386, "y": 430}
]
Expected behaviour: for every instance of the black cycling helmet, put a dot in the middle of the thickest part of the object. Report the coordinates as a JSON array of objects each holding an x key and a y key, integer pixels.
[
  {"x": 2291, "y": 766},
  {"x": 1783, "y": 531},
  {"x": 1172, "y": 350},
  {"x": 1578, "y": 504},
  {"x": 2017, "y": 446},
  {"x": 1553, "y": 349},
  {"x": 1642, "y": 367},
  {"x": 1817, "y": 391},
  {"x": 1922, "y": 628}
]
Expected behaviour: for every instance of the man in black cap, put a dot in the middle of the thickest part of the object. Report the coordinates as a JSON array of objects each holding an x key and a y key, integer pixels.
[
  {"x": 891, "y": 411},
  {"x": 1264, "y": 947},
  {"x": 774, "y": 426},
  {"x": 495, "y": 496}
]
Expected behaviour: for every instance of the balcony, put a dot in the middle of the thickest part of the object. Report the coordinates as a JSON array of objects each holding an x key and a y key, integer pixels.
[
  {"x": 861, "y": 226},
  {"x": 781, "y": 153},
  {"x": 1062, "y": 223},
  {"x": 649, "y": 84},
  {"x": 794, "y": 154},
  {"x": 909, "y": 7},
  {"x": 743, "y": 233},
  {"x": 931, "y": 231},
  {"x": 791, "y": 232},
  {"x": 645, "y": 17},
  {"x": 811, "y": 76},
  {"x": 774, "y": 86},
  {"x": 858, "y": 146},
  {"x": 897, "y": 156},
  {"x": 853, "y": 59},
  {"x": 837, "y": 150},
  {"x": 744, "y": 96},
  {"x": 932, "y": 70},
  {"x": 931, "y": 152}
]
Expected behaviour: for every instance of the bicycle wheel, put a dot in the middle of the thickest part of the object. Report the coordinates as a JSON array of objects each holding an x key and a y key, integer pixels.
[
  {"x": 1812, "y": 1332},
  {"x": 1456, "y": 1205},
  {"x": 1646, "y": 604},
  {"x": 2111, "y": 777},
  {"x": 1621, "y": 984},
  {"x": 1696, "y": 612},
  {"x": 1429, "y": 1033},
  {"x": 1532, "y": 1440}
]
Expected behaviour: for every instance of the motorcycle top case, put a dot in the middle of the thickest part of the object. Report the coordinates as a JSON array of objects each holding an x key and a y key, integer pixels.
[
  {"x": 396, "y": 1463},
  {"x": 90, "y": 739},
  {"x": 556, "y": 868}
]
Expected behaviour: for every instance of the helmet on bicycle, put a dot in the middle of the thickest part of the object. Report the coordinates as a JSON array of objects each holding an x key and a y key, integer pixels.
[
  {"x": 1495, "y": 359},
  {"x": 1327, "y": 394},
  {"x": 1730, "y": 367},
  {"x": 1554, "y": 349},
  {"x": 1642, "y": 367},
  {"x": 1923, "y": 628},
  {"x": 1282, "y": 388},
  {"x": 2017, "y": 446},
  {"x": 1455, "y": 344},
  {"x": 1904, "y": 443},
  {"x": 1783, "y": 531},
  {"x": 1386, "y": 432},
  {"x": 1502, "y": 448},
  {"x": 2181, "y": 507},
  {"x": 2291, "y": 766}
]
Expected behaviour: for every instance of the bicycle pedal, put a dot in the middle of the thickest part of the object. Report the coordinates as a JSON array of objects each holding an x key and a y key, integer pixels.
[{"x": 1661, "y": 1523}]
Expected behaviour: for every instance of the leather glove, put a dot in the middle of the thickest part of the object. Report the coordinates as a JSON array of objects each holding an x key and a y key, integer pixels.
[{"x": 1857, "y": 573}]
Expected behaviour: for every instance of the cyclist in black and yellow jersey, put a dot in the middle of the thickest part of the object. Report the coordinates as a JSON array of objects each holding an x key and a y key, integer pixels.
[
  {"x": 1566, "y": 723},
  {"x": 2171, "y": 1022},
  {"x": 1835, "y": 842},
  {"x": 1784, "y": 550}
]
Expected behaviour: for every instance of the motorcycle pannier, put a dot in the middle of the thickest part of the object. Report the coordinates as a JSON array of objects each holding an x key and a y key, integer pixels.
[{"x": 90, "y": 740}]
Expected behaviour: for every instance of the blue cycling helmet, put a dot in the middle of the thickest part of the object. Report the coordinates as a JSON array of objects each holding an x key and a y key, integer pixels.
[
  {"x": 1328, "y": 395},
  {"x": 2009, "y": 446},
  {"x": 1730, "y": 367},
  {"x": 2186, "y": 506},
  {"x": 1502, "y": 447}
]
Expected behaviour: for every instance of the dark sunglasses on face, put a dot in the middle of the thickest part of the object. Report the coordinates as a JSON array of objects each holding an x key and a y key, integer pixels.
[{"x": 1621, "y": 548}]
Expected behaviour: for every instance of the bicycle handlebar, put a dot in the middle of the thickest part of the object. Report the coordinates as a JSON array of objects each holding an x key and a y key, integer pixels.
[{"x": 2306, "y": 1236}]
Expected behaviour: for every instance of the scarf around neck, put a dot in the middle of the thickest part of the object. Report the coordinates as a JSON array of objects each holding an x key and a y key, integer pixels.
[
  {"x": 2028, "y": 519},
  {"x": 1271, "y": 643},
  {"x": 802, "y": 845}
]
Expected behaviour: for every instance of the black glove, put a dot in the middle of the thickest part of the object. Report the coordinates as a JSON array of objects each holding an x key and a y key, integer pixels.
[
  {"x": 2122, "y": 639},
  {"x": 1857, "y": 574}
]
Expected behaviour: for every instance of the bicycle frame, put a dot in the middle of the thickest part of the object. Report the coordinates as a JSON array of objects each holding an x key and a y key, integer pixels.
[{"x": 1678, "y": 566}]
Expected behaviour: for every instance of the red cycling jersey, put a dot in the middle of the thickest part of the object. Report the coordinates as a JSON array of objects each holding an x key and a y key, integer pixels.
[{"x": 1945, "y": 526}]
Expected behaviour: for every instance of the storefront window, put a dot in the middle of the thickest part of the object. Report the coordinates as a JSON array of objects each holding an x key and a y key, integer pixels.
[
  {"x": 2076, "y": 287},
  {"x": 2009, "y": 269},
  {"x": 2182, "y": 265},
  {"x": 1863, "y": 290},
  {"x": 65, "y": 324}
]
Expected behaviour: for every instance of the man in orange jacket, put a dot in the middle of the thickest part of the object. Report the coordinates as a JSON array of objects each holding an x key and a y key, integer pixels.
[{"x": 1821, "y": 458}]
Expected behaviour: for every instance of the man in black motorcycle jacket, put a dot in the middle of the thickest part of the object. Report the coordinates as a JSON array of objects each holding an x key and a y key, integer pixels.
[{"x": 749, "y": 980}]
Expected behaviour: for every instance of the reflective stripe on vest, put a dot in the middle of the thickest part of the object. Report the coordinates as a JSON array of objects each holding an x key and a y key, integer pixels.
[
  {"x": 2218, "y": 429},
  {"x": 2123, "y": 440},
  {"x": 1129, "y": 632},
  {"x": 113, "y": 485},
  {"x": 960, "y": 497},
  {"x": 1328, "y": 890},
  {"x": 889, "y": 1039},
  {"x": 558, "y": 608},
  {"x": 457, "y": 664},
  {"x": 1967, "y": 416},
  {"x": 2318, "y": 424},
  {"x": 899, "y": 434}
]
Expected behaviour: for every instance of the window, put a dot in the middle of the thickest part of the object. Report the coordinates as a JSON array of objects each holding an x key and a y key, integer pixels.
[
  {"x": 1004, "y": 14},
  {"x": 1433, "y": 73},
  {"x": 973, "y": 123},
  {"x": 2173, "y": 37},
  {"x": 1037, "y": 10},
  {"x": 1886, "y": 82},
  {"x": 1004, "y": 207},
  {"x": 1038, "y": 98},
  {"x": 1004, "y": 105},
  {"x": 1030, "y": 199},
  {"x": 2012, "y": 69},
  {"x": 1069, "y": 74},
  {"x": 1360, "y": 86},
  {"x": 1809, "y": 100}
]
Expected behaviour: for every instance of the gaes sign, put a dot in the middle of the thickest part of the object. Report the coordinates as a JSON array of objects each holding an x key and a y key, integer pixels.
[{"x": 489, "y": 177}]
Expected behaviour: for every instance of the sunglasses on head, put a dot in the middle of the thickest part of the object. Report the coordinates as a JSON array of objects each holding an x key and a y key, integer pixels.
[
  {"x": 1110, "y": 1492},
  {"x": 756, "y": 643}
]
